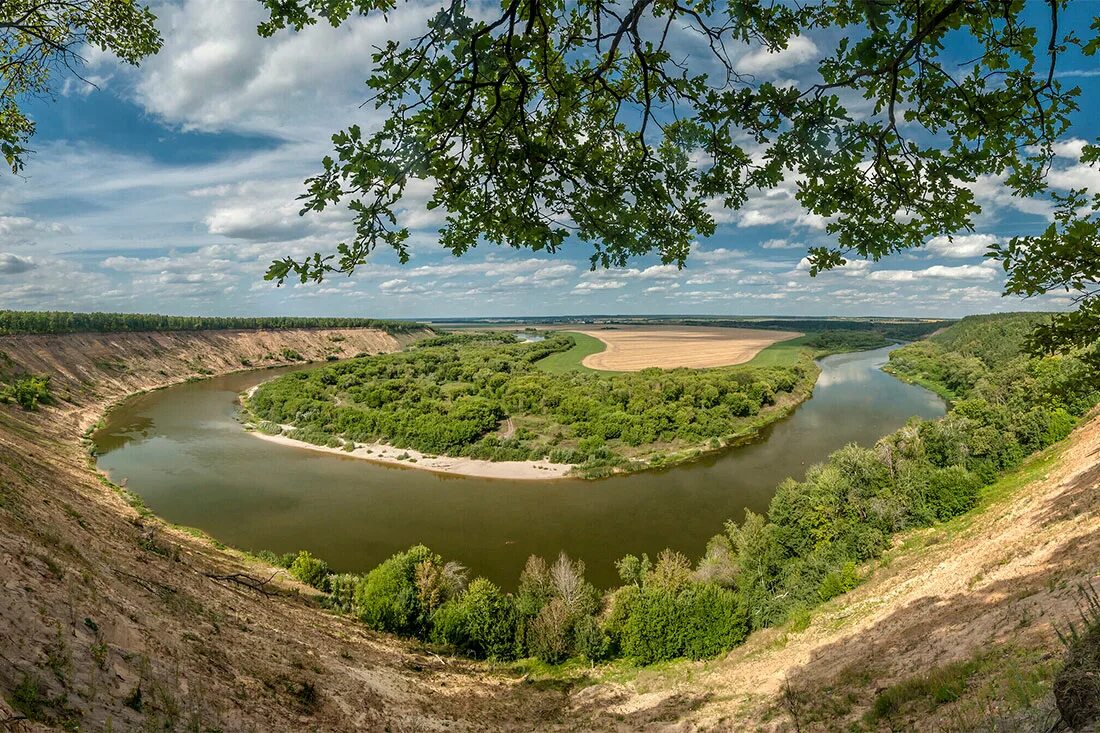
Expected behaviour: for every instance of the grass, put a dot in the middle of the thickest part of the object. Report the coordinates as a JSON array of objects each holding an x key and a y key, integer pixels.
[
  {"x": 569, "y": 361},
  {"x": 782, "y": 354},
  {"x": 1004, "y": 679}
]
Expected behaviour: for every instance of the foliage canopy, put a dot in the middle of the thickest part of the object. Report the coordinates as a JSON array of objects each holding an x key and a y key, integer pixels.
[
  {"x": 624, "y": 124},
  {"x": 41, "y": 38}
]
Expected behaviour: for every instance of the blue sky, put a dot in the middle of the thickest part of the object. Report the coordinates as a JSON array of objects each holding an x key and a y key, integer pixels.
[{"x": 171, "y": 187}]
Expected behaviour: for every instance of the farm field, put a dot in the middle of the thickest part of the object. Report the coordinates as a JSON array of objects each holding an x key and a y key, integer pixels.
[{"x": 634, "y": 349}]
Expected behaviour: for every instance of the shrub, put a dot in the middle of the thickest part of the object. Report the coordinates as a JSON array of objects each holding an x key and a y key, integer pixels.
[
  {"x": 1077, "y": 684},
  {"x": 27, "y": 392},
  {"x": 590, "y": 641},
  {"x": 490, "y": 619},
  {"x": 952, "y": 491},
  {"x": 548, "y": 636},
  {"x": 714, "y": 620},
  {"x": 386, "y": 598},
  {"x": 341, "y": 588},
  {"x": 310, "y": 570},
  {"x": 839, "y": 581},
  {"x": 700, "y": 620}
]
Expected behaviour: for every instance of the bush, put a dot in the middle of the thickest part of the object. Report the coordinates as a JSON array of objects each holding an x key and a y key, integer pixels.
[
  {"x": 590, "y": 641},
  {"x": 27, "y": 392},
  {"x": 952, "y": 491},
  {"x": 1077, "y": 684},
  {"x": 548, "y": 636},
  {"x": 448, "y": 626},
  {"x": 700, "y": 620},
  {"x": 341, "y": 588},
  {"x": 386, "y": 598},
  {"x": 490, "y": 620},
  {"x": 839, "y": 582},
  {"x": 310, "y": 570}
]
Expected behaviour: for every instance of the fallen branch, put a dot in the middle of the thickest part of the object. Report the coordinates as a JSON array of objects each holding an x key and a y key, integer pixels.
[{"x": 247, "y": 581}]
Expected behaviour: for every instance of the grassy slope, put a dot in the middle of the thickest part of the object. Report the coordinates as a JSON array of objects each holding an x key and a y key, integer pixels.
[
  {"x": 568, "y": 361},
  {"x": 951, "y": 630}
]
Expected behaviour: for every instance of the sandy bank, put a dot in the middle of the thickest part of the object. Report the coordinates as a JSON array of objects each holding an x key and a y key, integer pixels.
[{"x": 382, "y": 453}]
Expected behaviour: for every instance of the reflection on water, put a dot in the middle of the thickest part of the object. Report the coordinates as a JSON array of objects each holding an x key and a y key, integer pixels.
[{"x": 184, "y": 452}]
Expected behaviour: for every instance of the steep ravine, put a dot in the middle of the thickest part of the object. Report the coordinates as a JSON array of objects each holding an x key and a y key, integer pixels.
[{"x": 112, "y": 620}]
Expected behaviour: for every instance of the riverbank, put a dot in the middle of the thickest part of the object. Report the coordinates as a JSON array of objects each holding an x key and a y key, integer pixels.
[{"x": 407, "y": 458}]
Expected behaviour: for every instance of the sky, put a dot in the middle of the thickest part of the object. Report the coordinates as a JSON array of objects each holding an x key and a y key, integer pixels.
[{"x": 171, "y": 187}]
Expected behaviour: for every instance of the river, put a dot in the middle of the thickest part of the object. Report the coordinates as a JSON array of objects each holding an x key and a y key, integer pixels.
[{"x": 184, "y": 452}]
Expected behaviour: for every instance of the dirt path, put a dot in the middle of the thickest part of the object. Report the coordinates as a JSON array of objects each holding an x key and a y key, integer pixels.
[{"x": 631, "y": 349}]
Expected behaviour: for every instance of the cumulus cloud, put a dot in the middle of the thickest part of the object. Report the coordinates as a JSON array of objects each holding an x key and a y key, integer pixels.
[
  {"x": 589, "y": 286},
  {"x": 216, "y": 73},
  {"x": 762, "y": 61},
  {"x": 781, "y": 244},
  {"x": 943, "y": 272},
  {"x": 14, "y": 264},
  {"x": 961, "y": 245},
  {"x": 721, "y": 254}
]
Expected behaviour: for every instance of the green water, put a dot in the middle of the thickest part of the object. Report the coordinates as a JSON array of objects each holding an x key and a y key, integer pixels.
[{"x": 183, "y": 451}]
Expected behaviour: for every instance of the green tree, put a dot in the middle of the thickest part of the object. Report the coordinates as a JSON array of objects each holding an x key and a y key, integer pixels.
[
  {"x": 537, "y": 122},
  {"x": 310, "y": 570},
  {"x": 41, "y": 38}
]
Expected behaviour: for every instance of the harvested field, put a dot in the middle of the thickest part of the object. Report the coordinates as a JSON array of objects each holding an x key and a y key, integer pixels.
[{"x": 634, "y": 349}]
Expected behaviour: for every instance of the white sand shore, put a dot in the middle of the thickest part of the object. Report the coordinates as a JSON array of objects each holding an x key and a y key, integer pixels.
[{"x": 382, "y": 453}]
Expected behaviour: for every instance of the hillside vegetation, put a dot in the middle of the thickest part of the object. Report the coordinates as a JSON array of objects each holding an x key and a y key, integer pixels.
[
  {"x": 484, "y": 396},
  {"x": 808, "y": 548}
]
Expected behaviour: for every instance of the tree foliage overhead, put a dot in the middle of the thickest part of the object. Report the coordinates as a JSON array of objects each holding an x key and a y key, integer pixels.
[
  {"x": 624, "y": 123},
  {"x": 40, "y": 39}
]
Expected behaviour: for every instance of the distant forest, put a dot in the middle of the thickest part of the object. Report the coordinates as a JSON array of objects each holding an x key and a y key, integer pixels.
[
  {"x": 12, "y": 322},
  {"x": 896, "y": 329}
]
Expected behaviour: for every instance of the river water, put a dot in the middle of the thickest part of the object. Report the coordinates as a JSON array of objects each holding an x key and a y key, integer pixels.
[{"x": 184, "y": 452}]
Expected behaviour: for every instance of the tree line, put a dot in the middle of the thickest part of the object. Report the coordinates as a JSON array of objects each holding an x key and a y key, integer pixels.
[
  {"x": 13, "y": 322},
  {"x": 812, "y": 543}
]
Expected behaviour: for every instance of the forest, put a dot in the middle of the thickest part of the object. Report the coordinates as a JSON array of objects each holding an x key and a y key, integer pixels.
[
  {"x": 483, "y": 395},
  {"x": 813, "y": 543},
  {"x": 13, "y": 322}
]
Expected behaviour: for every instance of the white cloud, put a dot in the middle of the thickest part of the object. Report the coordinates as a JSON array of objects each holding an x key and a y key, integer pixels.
[
  {"x": 781, "y": 244},
  {"x": 799, "y": 50},
  {"x": 720, "y": 254},
  {"x": 14, "y": 264},
  {"x": 961, "y": 245},
  {"x": 216, "y": 73},
  {"x": 589, "y": 286},
  {"x": 945, "y": 272}
]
